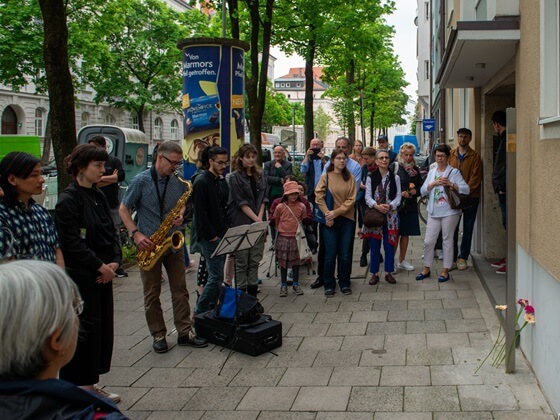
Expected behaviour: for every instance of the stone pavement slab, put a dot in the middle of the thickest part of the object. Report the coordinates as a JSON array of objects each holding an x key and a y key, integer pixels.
[{"x": 388, "y": 352}]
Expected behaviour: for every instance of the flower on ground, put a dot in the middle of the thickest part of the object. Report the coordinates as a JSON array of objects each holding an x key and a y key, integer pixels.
[{"x": 498, "y": 350}]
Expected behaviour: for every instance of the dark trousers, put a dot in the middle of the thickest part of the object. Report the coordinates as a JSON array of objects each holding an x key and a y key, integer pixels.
[
  {"x": 337, "y": 247},
  {"x": 469, "y": 217},
  {"x": 502, "y": 202},
  {"x": 95, "y": 339},
  {"x": 215, "y": 267}
]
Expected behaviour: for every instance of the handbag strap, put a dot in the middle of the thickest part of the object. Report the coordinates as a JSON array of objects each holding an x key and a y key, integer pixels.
[{"x": 299, "y": 223}]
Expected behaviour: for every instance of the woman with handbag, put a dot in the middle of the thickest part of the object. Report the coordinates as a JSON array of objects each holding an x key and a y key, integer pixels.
[
  {"x": 411, "y": 181},
  {"x": 441, "y": 217},
  {"x": 335, "y": 196},
  {"x": 383, "y": 197},
  {"x": 288, "y": 216}
]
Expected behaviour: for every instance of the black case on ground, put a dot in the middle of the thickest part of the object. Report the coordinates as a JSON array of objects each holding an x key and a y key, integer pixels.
[{"x": 253, "y": 338}]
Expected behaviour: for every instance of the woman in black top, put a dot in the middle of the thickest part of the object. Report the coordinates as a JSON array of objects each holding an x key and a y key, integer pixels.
[
  {"x": 411, "y": 181},
  {"x": 92, "y": 254}
]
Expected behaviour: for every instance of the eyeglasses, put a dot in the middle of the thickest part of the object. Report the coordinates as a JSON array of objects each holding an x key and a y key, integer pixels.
[
  {"x": 172, "y": 162},
  {"x": 383, "y": 158},
  {"x": 78, "y": 306},
  {"x": 221, "y": 162},
  {"x": 441, "y": 156},
  {"x": 339, "y": 158}
]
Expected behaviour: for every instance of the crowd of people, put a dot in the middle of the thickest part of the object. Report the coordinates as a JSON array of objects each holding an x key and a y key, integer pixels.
[{"x": 79, "y": 252}]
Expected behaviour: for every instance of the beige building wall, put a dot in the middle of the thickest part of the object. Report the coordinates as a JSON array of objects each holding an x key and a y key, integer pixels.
[{"x": 538, "y": 172}]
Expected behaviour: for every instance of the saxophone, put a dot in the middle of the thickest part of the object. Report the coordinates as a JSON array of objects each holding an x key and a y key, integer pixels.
[{"x": 147, "y": 259}]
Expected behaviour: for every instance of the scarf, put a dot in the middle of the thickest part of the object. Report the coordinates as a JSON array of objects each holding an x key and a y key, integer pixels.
[
  {"x": 408, "y": 167},
  {"x": 380, "y": 197}
]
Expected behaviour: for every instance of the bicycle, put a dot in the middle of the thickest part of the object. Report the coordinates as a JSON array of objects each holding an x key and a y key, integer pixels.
[{"x": 423, "y": 209}]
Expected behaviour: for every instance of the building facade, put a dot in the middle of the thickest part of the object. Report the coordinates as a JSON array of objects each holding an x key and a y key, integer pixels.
[{"x": 490, "y": 55}]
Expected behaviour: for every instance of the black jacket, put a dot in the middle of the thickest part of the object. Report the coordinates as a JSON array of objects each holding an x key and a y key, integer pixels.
[
  {"x": 409, "y": 205},
  {"x": 499, "y": 172},
  {"x": 270, "y": 173},
  {"x": 87, "y": 234},
  {"x": 210, "y": 196}
]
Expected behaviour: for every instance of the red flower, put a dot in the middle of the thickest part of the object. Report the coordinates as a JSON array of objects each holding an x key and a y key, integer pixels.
[
  {"x": 523, "y": 302},
  {"x": 529, "y": 309}
]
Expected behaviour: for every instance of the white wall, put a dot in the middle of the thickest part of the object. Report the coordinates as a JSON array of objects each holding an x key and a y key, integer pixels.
[{"x": 541, "y": 342}]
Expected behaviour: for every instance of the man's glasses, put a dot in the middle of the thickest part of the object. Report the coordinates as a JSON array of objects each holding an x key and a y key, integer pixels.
[
  {"x": 222, "y": 162},
  {"x": 383, "y": 158},
  {"x": 172, "y": 162}
]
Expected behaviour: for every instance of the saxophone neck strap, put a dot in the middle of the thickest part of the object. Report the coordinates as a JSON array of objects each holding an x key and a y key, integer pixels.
[{"x": 161, "y": 197}]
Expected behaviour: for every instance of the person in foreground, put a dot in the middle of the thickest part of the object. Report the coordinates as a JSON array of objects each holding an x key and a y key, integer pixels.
[
  {"x": 36, "y": 344},
  {"x": 92, "y": 253},
  {"x": 441, "y": 217}
]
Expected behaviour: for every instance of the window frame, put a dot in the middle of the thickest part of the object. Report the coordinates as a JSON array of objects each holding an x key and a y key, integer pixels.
[{"x": 39, "y": 128}]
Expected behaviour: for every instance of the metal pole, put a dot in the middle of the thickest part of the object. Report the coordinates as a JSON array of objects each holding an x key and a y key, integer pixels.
[
  {"x": 511, "y": 258},
  {"x": 294, "y": 127}
]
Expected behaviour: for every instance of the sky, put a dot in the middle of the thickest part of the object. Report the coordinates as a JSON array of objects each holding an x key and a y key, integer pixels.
[{"x": 405, "y": 33}]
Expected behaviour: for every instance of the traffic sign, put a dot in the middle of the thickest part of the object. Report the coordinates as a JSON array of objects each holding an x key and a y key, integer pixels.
[{"x": 428, "y": 124}]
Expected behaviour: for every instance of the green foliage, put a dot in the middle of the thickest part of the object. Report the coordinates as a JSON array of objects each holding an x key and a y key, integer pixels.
[
  {"x": 129, "y": 254},
  {"x": 322, "y": 123}
]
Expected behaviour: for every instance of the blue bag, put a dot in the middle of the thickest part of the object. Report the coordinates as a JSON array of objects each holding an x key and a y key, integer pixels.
[
  {"x": 318, "y": 215},
  {"x": 248, "y": 307}
]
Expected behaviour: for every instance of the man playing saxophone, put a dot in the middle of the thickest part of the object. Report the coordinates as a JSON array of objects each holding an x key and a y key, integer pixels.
[{"x": 154, "y": 194}]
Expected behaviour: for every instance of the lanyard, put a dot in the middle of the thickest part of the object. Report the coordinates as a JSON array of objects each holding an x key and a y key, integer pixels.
[{"x": 161, "y": 198}]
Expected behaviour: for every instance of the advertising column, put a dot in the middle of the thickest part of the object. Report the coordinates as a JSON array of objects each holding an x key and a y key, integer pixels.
[{"x": 213, "y": 96}]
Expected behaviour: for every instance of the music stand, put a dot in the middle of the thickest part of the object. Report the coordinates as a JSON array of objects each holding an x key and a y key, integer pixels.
[{"x": 235, "y": 239}]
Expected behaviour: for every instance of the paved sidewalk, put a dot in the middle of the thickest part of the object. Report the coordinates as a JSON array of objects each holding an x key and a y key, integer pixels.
[{"x": 403, "y": 351}]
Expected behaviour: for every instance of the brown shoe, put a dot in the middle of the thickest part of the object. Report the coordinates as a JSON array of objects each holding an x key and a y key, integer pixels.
[
  {"x": 374, "y": 280},
  {"x": 390, "y": 279}
]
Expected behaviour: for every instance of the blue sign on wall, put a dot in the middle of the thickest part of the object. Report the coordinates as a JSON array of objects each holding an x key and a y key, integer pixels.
[{"x": 428, "y": 124}]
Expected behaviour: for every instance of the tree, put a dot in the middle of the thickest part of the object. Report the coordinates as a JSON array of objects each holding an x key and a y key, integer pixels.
[
  {"x": 59, "y": 82},
  {"x": 278, "y": 110},
  {"x": 131, "y": 57},
  {"x": 322, "y": 123}
]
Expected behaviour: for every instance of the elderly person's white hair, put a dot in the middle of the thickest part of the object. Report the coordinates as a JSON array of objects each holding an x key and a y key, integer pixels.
[{"x": 37, "y": 298}]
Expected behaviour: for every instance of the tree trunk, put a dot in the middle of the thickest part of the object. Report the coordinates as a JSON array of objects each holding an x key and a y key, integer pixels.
[
  {"x": 372, "y": 128},
  {"x": 140, "y": 114},
  {"x": 309, "y": 81},
  {"x": 47, "y": 145},
  {"x": 233, "y": 18},
  {"x": 59, "y": 82},
  {"x": 350, "y": 80}
]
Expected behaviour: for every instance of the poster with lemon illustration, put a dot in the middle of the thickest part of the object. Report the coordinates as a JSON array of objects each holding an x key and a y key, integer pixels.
[{"x": 213, "y": 97}]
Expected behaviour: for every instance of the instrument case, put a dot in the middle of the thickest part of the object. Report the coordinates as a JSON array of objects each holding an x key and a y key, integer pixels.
[{"x": 253, "y": 338}]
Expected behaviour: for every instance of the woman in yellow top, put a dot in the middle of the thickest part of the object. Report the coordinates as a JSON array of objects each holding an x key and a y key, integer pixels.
[{"x": 335, "y": 195}]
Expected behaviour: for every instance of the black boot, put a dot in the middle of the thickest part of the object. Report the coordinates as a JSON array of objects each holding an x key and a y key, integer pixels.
[{"x": 253, "y": 290}]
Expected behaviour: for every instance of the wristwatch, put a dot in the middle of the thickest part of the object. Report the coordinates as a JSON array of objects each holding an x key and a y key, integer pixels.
[{"x": 133, "y": 232}]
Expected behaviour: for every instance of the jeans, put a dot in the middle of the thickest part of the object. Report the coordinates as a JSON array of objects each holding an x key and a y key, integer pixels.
[
  {"x": 502, "y": 202},
  {"x": 469, "y": 217},
  {"x": 215, "y": 267},
  {"x": 337, "y": 244},
  {"x": 375, "y": 256}
]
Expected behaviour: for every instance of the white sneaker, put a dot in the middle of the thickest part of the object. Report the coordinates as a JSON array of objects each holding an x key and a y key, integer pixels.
[
  {"x": 109, "y": 395},
  {"x": 405, "y": 265}
]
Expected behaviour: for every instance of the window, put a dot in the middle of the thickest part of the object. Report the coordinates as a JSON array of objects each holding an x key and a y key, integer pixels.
[
  {"x": 134, "y": 123},
  {"x": 158, "y": 129},
  {"x": 39, "y": 123},
  {"x": 427, "y": 10},
  {"x": 174, "y": 130},
  {"x": 481, "y": 10},
  {"x": 277, "y": 85},
  {"x": 427, "y": 69},
  {"x": 549, "y": 69},
  {"x": 109, "y": 119},
  {"x": 84, "y": 120}
]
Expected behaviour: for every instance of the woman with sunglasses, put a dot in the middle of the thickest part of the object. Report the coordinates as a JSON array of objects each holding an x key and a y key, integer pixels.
[
  {"x": 336, "y": 195},
  {"x": 441, "y": 217},
  {"x": 92, "y": 253},
  {"x": 27, "y": 230},
  {"x": 383, "y": 192}
]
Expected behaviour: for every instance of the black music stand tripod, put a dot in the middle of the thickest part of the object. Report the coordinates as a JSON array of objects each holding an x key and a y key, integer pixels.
[{"x": 236, "y": 239}]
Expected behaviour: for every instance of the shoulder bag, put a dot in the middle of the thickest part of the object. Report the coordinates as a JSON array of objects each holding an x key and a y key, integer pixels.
[
  {"x": 458, "y": 201},
  {"x": 318, "y": 215},
  {"x": 374, "y": 218}
]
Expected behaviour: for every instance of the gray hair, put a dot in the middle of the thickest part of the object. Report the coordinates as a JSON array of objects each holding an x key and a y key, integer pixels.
[
  {"x": 169, "y": 147},
  {"x": 36, "y": 299},
  {"x": 378, "y": 151}
]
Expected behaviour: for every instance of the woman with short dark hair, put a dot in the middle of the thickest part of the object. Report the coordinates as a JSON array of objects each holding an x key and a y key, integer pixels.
[
  {"x": 27, "y": 231},
  {"x": 441, "y": 217},
  {"x": 92, "y": 253}
]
